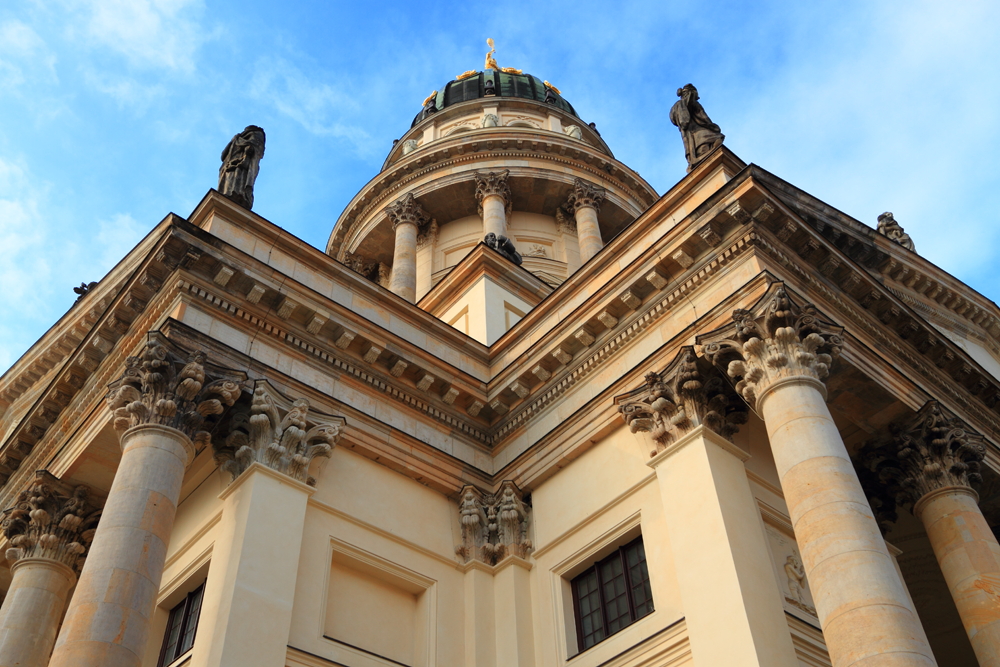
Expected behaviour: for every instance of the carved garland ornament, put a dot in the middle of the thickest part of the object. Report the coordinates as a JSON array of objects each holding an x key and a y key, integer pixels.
[
  {"x": 773, "y": 340},
  {"x": 51, "y": 520},
  {"x": 688, "y": 393},
  {"x": 158, "y": 387},
  {"x": 494, "y": 526},
  {"x": 287, "y": 444}
]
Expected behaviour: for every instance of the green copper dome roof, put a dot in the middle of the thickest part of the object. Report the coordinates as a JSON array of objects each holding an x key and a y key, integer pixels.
[{"x": 493, "y": 83}]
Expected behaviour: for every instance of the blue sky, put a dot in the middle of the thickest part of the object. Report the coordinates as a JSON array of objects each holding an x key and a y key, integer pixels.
[{"x": 114, "y": 112}]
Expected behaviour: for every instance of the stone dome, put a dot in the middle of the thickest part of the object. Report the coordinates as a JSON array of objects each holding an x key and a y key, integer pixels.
[{"x": 491, "y": 83}]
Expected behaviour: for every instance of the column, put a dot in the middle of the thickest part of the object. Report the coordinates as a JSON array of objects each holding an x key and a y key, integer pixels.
[
  {"x": 493, "y": 195},
  {"x": 779, "y": 354},
  {"x": 49, "y": 527},
  {"x": 406, "y": 215},
  {"x": 584, "y": 202},
  {"x": 159, "y": 405},
  {"x": 495, "y": 547},
  {"x": 930, "y": 464},
  {"x": 246, "y": 614},
  {"x": 727, "y": 581}
]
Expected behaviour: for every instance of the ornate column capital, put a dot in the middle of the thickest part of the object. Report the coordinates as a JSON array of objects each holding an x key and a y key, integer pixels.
[
  {"x": 51, "y": 520},
  {"x": 585, "y": 194},
  {"x": 928, "y": 451},
  {"x": 160, "y": 387},
  {"x": 280, "y": 433},
  {"x": 776, "y": 339},
  {"x": 493, "y": 183},
  {"x": 494, "y": 526},
  {"x": 407, "y": 209},
  {"x": 688, "y": 393}
]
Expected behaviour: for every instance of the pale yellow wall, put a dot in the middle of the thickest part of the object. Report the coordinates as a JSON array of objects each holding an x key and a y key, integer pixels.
[
  {"x": 980, "y": 354},
  {"x": 485, "y": 311}
]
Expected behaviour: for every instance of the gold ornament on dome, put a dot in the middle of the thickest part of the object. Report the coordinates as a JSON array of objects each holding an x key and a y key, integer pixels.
[
  {"x": 491, "y": 62},
  {"x": 429, "y": 98},
  {"x": 552, "y": 88},
  {"x": 466, "y": 74}
]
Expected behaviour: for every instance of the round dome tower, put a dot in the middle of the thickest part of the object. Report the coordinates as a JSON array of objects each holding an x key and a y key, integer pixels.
[{"x": 494, "y": 150}]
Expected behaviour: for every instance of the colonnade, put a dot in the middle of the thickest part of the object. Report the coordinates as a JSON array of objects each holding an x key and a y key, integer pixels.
[{"x": 494, "y": 198}]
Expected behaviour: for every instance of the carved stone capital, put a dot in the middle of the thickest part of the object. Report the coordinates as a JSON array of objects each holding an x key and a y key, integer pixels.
[
  {"x": 494, "y": 526},
  {"x": 51, "y": 520},
  {"x": 585, "y": 194},
  {"x": 688, "y": 393},
  {"x": 929, "y": 451},
  {"x": 407, "y": 209},
  {"x": 773, "y": 340},
  {"x": 282, "y": 434},
  {"x": 493, "y": 183},
  {"x": 160, "y": 387}
]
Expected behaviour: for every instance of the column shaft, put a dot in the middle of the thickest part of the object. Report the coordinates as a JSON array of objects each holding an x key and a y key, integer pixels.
[
  {"x": 588, "y": 232},
  {"x": 246, "y": 615},
  {"x": 494, "y": 215},
  {"x": 727, "y": 580},
  {"x": 480, "y": 627},
  {"x": 969, "y": 556},
  {"x": 107, "y": 623},
  {"x": 864, "y": 610},
  {"x": 404, "y": 262},
  {"x": 512, "y": 595},
  {"x": 32, "y": 610}
]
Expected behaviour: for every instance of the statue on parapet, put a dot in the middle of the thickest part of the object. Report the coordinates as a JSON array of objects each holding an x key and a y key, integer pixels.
[
  {"x": 504, "y": 246},
  {"x": 700, "y": 135},
  {"x": 240, "y": 165},
  {"x": 887, "y": 226}
]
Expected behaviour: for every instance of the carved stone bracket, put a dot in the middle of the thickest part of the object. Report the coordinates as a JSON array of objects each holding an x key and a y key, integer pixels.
[
  {"x": 494, "y": 183},
  {"x": 407, "y": 209},
  {"x": 688, "y": 393},
  {"x": 585, "y": 194},
  {"x": 494, "y": 526},
  {"x": 775, "y": 339},
  {"x": 284, "y": 435},
  {"x": 159, "y": 387},
  {"x": 931, "y": 450},
  {"x": 51, "y": 520}
]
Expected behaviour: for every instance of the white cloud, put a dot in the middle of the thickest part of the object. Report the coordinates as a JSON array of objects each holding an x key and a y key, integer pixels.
[{"x": 24, "y": 55}]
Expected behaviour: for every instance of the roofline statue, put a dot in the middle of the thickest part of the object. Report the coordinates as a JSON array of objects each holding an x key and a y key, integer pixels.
[
  {"x": 700, "y": 135},
  {"x": 240, "y": 165}
]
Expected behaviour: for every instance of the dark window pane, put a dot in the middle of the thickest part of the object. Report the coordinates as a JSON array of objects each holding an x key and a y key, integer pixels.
[
  {"x": 191, "y": 620},
  {"x": 615, "y": 593},
  {"x": 642, "y": 594},
  {"x": 173, "y": 633}
]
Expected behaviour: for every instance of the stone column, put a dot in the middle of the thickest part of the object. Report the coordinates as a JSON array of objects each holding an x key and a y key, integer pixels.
[
  {"x": 406, "y": 215},
  {"x": 160, "y": 405},
  {"x": 246, "y": 614},
  {"x": 930, "y": 464},
  {"x": 49, "y": 526},
  {"x": 493, "y": 195},
  {"x": 495, "y": 545},
  {"x": 779, "y": 354},
  {"x": 584, "y": 202},
  {"x": 716, "y": 531}
]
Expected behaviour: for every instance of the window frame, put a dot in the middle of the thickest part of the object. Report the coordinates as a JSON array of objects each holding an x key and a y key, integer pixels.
[
  {"x": 595, "y": 569},
  {"x": 185, "y": 607}
]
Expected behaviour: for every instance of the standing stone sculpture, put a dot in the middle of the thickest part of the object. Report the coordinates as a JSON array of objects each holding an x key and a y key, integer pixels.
[
  {"x": 504, "y": 246},
  {"x": 240, "y": 165},
  {"x": 700, "y": 135},
  {"x": 887, "y": 226}
]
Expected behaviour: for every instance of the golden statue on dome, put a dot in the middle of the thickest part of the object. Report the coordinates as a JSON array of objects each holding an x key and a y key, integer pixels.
[{"x": 491, "y": 62}]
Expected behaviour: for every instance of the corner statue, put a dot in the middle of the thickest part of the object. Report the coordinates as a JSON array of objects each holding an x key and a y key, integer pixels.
[
  {"x": 240, "y": 164},
  {"x": 701, "y": 136},
  {"x": 504, "y": 246}
]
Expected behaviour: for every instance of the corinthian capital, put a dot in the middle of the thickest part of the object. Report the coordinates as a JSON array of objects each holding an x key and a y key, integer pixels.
[
  {"x": 773, "y": 340},
  {"x": 931, "y": 450},
  {"x": 407, "y": 209},
  {"x": 493, "y": 183},
  {"x": 585, "y": 194},
  {"x": 690, "y": 392},
  {"x": 494, "y": 526},
  {"x": 51, "y": 520},
  {"x": 160, "y": 387},
  {"x": 282, "y": 434}
]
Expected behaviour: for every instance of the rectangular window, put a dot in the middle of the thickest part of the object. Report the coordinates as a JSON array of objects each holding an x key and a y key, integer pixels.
[
  {"x": 612, "y": 594},
  {"x": 181, "y": 627}
]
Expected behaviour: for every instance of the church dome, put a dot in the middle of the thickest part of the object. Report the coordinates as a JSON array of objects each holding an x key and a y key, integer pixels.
[{"x": 492, "y": 83}]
